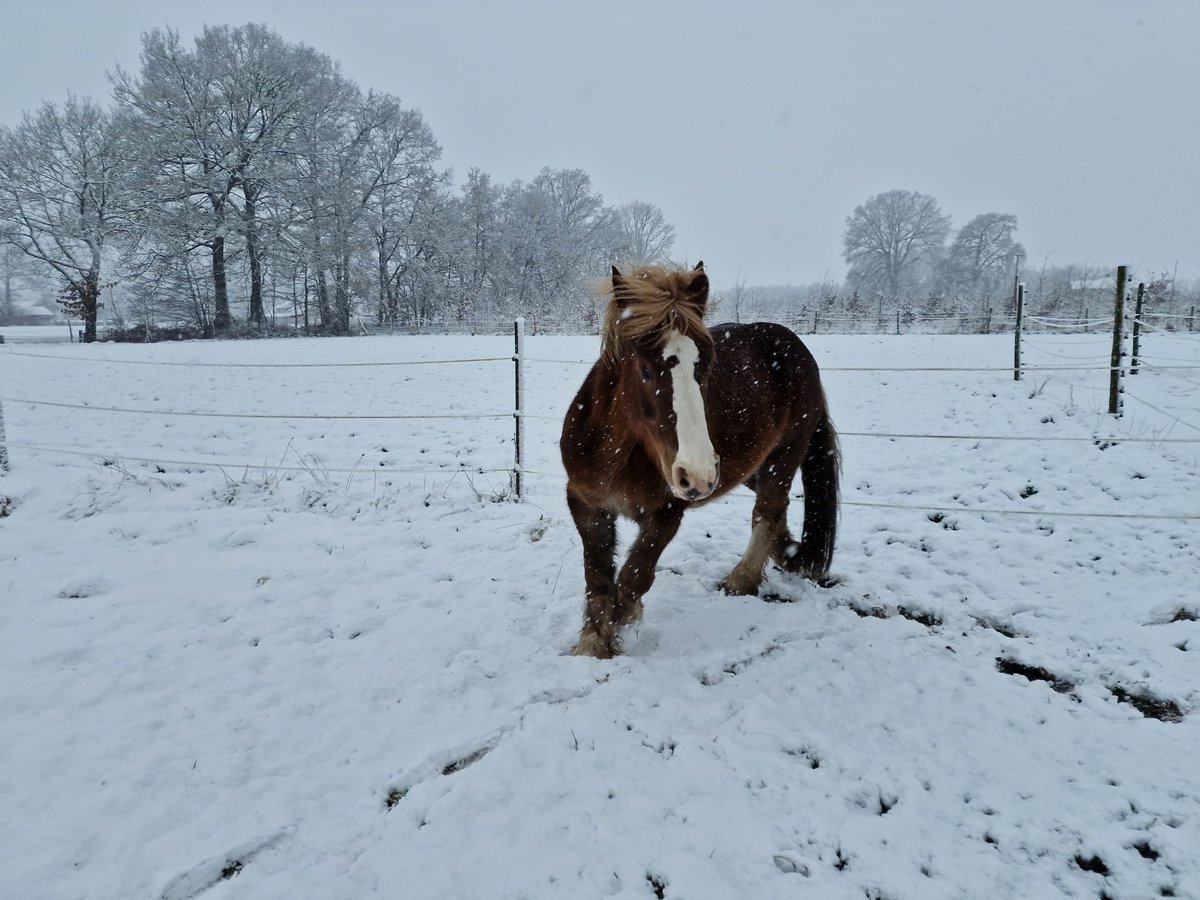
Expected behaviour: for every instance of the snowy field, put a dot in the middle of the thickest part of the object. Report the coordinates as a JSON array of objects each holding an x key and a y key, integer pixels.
[{"x": 272, "y": 657}]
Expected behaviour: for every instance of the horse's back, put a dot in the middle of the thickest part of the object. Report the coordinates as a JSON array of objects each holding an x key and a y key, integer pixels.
[
  {"x": 763, "y": 341},
  {"x": 765, "y": 358},
  {"x": 764, "y": 392}
]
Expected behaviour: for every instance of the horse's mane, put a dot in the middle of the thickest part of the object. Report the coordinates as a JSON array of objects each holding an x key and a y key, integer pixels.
[{"x": 648, "y": 304}]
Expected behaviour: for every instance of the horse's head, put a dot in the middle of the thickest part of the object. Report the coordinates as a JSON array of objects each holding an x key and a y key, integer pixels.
[{"x": 655, "y": 335}]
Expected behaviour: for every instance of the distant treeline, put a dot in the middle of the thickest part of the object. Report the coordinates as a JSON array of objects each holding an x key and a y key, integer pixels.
[{"x": 243, "y": 185}]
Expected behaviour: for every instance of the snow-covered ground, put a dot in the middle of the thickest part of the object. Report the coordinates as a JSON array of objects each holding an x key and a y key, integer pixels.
[{"x": 325, "y": 658}]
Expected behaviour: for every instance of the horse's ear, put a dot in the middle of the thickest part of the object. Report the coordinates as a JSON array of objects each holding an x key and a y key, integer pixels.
[
  {"x": 698, "y": 267},
  {"x": 620, "y": 294},
  {"x": 697, "y": 288}
]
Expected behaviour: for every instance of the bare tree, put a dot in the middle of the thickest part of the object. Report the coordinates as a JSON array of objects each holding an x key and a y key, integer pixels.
[
  {"x": 983, "y": 254},
  {"x": 400, "y": 191},
  {"x": 642, "y": 233},
  {"x": 888, "y": 236},
  {"x": 60, "y": 195}
]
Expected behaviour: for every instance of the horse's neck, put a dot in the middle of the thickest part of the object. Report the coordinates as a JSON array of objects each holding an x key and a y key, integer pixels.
[{"x": 607, "y": 416}]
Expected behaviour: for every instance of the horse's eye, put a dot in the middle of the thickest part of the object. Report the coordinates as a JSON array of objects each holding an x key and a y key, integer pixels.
[{"x": 645, "y": 374}]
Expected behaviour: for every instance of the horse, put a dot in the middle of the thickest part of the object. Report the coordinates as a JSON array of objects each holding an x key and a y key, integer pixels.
[{"x": 673, "y": 415}]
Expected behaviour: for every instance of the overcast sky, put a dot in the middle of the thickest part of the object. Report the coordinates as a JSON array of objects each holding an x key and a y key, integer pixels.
[{"x": 756, "y": 126}]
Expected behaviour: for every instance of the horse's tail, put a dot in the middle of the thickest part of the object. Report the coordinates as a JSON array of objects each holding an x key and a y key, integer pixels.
[{"x": 820, "y": 474}]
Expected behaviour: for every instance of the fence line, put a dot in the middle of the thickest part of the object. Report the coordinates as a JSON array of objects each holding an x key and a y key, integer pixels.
[
  {"x": 1159, "y": 332},
  {"x": 1159, "y": 315},
  {"x": 217, "y": 415},
  {"x": 220, "y": 464},
  {"x": 1006, "y": 369},
  {"x": 1163, "y": 412},
  {"x": 1037, "y": 345},
  {"x": 1178, "y": 359},
  {"x": 1082, "y": 324},
  {"x": 936, "y": 507},
  {"x": 1157, "y": 368},
  {"x": 1029, "y": 439},
  {"x": 520, "y": 415},
  {"x": 235, "y": 365},
  {"x": 1023, "y": 512}
]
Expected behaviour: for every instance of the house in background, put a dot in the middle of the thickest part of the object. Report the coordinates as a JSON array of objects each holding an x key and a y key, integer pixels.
[{"x": 23, "y": 312}]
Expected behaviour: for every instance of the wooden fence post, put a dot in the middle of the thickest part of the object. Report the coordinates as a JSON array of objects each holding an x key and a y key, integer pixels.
[
  {"x": 1115, "y": 387},
  {"x": 519, "y": 408},
  {"x": 1017, "y": 332},
  {"x": 1137, "y": 328}
]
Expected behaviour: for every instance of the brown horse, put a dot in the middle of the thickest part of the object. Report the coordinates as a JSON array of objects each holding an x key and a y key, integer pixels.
[{"x": 673, "y": 415}]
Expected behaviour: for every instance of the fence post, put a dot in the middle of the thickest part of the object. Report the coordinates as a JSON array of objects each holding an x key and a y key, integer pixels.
[
  {"x": 1017, "y": 332},
  {"x": 897, "y": 321},
  {"x": 1114, "y": 373},
  {"x": 1137, "y": 328},
  {"x": 3, "y": 445},
  {"x": 816, "y": 320},
  {"x": 519, "y": 408},
  {"x": 1192, "y": 320},
  {"x": 987, "y": 322}
]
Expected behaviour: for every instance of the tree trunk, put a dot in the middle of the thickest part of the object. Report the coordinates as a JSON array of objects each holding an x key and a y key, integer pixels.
[
  {"x": 221, "y": 319},
  {"x": 89, "y": 303},
  {"x": 342, "y": 294},
  {"x": 249, "y": 217},
  {"x": 323, "y": 301},
  {"x": 386, "y": 315},
  {"x": 7, "y": 310}
]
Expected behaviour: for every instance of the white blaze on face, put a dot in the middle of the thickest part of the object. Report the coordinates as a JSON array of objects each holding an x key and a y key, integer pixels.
[{"x": 694, "y": 474}]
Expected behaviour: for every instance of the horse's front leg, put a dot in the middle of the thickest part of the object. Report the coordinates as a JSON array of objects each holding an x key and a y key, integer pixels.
[
  {"x": 655, "y": 530},
  {"x": 598, "y": 531}
]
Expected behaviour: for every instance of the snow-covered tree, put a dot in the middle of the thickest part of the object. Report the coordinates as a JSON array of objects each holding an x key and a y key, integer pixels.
[
  {"x": 889, "y": 237},
  {"x": 981, "y": 260},
  {"x": 642, "y": 232},
  {"x": 61, "y": 197}
]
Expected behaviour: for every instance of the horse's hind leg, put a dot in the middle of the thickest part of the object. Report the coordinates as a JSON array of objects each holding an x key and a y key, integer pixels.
[{"x": 820, "y": 475}]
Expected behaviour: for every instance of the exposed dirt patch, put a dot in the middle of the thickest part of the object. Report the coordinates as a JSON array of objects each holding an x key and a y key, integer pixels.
[
  {"x": 1148, "y": 704},
  {"x": 1034, "y": 673},
  {"x": 1091, "y": 864}
]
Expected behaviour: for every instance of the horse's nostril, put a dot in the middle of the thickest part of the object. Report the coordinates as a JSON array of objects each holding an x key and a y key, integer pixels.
[{"x": 683, "y": 483}]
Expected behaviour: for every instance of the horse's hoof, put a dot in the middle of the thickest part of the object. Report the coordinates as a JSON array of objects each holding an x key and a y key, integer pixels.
[
  {"x": 737, "y": 587},
  {"x": 634, "y": 614},
  {"x": 595, "y": 646}
]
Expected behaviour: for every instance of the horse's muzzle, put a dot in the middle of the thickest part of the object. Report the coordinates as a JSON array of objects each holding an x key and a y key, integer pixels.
[{"x": 695, "y": 485}]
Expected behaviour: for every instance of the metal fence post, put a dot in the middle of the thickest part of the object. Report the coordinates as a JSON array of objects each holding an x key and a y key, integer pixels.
[
  {"x": 3, "y": 445},
  {"x": 1115, "y": 387},
  {"x": 1017, "y": 332},
  {"x": 519, "y": 409}
]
